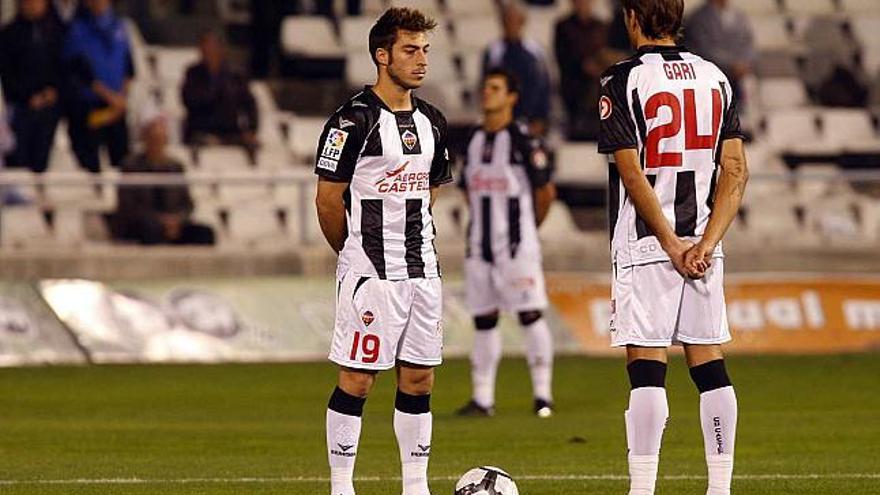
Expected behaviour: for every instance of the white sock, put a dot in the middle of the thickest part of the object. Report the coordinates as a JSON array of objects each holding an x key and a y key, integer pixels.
[
  {"x": 485, "y": 357},
  {"x": 539, "y": 352},
  {"x": 645, "y": 422},
  {"x": 413, "y": 433},
  {"x": 343, "y": 435},
  {"x": 718, "y": 414}
]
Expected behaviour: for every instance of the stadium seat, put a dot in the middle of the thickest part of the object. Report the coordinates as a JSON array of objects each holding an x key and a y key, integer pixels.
[
  {"x": 441, "y": 69},
  {"x": 23, "y": 226},
  {"x": 782, "y": 92},
  {"x": 256, "y": 224},
  {"x": 139, "y": 52},
  {"x": 448, "y": 95},
  {"x": 305, "y": 134},
  {"x": 794, "y": 130},
  {"x": 772, "y": 33},
  {"x": 71, "y": 189},
  {"x": 871, "y": 58},
  {"x": 757, "y": 7},
  {"x": 372, "y": 8},
  {"x": 813, "y": 181},
  {"x": 772, "y": 64},
  {"x": 810, "y": 7},
  {"x": 859, "y": 6},
  {"x": 460, "y": 9},
  {"x": 867, "y": 29},
  {"x": 271, "y": 158},
  {"x": 355, "y": 32},
  {"x": 450, "y": 217},
  {"x": 475, "y": 33},
  {"x": 235, "y": 193},
  {"x": 540, "y": 27},
  {"x": 222, "y": 158},
  {"x": 774, "y": 222},
  {"x": 171, "y": 64},
  {"x": 429, "y": 7},
  {"x": 310, "y": 36},
  {"x": 850, "y": 129},
  {"x": 68, "y": 226},
  {"x": 28, "y": 192},
  {"x": 204, "y": 192},
  {"x": 868, "y": 210},
  {"x": 472, "y": 67},
  {"x": 359, "y": 70},
  {"x": 832, "y": 220},
  {"x": 581, "y": 163}
]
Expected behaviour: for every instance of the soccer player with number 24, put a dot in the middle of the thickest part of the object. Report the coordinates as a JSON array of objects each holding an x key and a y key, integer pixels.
[{"x": 678, "y": 172}]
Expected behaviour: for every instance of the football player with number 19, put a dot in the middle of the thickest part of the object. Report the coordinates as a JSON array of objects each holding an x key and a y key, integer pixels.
[
  {"x": 381, "y": 158},
  {"x": 678, "y": 172}
]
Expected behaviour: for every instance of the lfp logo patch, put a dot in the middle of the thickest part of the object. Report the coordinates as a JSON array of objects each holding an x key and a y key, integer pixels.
[{"x": 334, "y": 144}]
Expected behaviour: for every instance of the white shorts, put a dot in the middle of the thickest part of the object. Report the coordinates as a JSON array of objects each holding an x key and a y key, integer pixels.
[
  {"x": 380, "y": 322},
  {"x": 513, "y": 285},
  {"x": 653, "y": 306}
]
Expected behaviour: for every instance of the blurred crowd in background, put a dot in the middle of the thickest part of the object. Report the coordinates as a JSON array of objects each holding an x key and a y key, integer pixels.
[{"x": 75, "y": 63}]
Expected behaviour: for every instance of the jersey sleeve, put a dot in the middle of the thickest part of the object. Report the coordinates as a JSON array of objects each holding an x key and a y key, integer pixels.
[
  {"x": 340, "y": 144},
  {"x": 539, "y": 169},
  {"x": 441, "y": 165},
  {"x": 616, "y": 127},
  {"x": 730, "y": 127}
]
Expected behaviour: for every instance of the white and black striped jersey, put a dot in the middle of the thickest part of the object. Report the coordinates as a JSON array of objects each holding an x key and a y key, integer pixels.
[
  {"x": 391, "y": 160},
  {"x": 675, "y": 109},
  {"x": 501, "y": 172}
]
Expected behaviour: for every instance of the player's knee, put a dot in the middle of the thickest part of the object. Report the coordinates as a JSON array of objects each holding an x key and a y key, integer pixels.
[
  {"x": 486, "y": 322},
  {"x": 416, "y": 381},
  {"x": 343, "y": 402},
  {"x": 526, "y": 318},
  {"x": 710, "y": 376},
  {"x": 646, "y": 373},
  {"x": 355, "y": 383}
]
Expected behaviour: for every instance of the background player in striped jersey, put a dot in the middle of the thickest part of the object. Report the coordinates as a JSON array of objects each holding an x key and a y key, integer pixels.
[
  {"x": 507, "y": 180},
  {"x": 678, "y": 173},
  {"x": 380, "y": 159}
]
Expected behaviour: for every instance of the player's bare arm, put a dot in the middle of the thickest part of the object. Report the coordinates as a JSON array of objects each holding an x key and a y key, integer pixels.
[
  {"x": 728, "y": 198},
  {"x": 331, "y": 211},
  {"x": 544, "y": 197},
  {"x": 648, "y": 207}
]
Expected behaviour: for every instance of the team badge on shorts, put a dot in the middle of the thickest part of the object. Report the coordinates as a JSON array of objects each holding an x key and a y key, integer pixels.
[
  {"x": 605, "y": 107},
  {"x": 367, "y": 318},
  {"x": 409, "y": 139}
]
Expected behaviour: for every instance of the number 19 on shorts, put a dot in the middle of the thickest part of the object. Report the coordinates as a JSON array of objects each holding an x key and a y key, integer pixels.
[{"x": 365, "y": 345}]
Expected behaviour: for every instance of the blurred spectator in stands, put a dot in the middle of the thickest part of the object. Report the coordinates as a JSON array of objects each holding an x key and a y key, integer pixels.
[
  {"x": 65, "y": 10},
  {"x": 581, "y": 51},
  {"x": 618, "y": 38},
  {"x": 266, "y": 17},
  {"x": 9, "y": 195},
  {"x": 99, "y": 59},
  {"x": 30, "y": 56},
  {"x": 219, "y": 104},
  {"x": 156, "y": 214},
  {"x": 723, "y": 34},
  {"x": 527, "y": 61}
]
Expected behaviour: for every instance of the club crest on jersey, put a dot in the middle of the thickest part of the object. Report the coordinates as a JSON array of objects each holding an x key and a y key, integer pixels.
[
  {"x": 605, "y": 107},
  {"x": 409, "y": 139},
  {"x": 334, "y": 144},
  {"x": 367, "y": 318}
]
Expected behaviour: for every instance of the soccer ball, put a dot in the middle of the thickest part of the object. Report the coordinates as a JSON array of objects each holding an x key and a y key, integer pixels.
[{"x": 486, "y": 480}]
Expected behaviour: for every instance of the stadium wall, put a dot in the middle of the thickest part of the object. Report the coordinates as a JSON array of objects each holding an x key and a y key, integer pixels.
[{"x": 76, "y": 321}]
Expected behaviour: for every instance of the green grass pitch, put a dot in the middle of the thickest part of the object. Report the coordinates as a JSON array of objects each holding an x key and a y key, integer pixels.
[{"x": 808, "y": 425}]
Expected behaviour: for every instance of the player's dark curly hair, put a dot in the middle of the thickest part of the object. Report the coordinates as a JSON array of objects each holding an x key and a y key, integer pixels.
[
  {"x": 657, "y": 18},
  {"x": 509, "y": 78},
  {"x": 384, "y": 33}
]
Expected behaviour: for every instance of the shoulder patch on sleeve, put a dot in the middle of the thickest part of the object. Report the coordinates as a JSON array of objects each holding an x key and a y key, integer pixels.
[
  {"x": 334, "y": 144},
  {"x": 328, "y": 164},
  {"x": 606, "y": 108}
]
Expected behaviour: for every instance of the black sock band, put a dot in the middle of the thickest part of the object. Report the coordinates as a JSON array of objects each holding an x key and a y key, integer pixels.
[
  {"x": 345, "y": 403},
  {"x": 412, "y": 404},
  {"x": 710, "y": 376},
  {"x": 484, "y": 323},
  {"x": 646, "y": 373}
]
